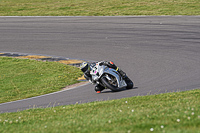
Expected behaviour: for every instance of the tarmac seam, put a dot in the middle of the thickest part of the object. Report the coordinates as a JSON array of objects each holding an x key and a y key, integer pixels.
[{"x": 63, "y": 60}]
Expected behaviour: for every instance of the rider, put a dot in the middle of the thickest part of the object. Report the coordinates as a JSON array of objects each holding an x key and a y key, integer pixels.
[{"x": 85, "y": 67}]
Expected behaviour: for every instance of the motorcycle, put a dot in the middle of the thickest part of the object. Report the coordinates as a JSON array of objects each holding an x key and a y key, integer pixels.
[{"x": 109, "y": 77}]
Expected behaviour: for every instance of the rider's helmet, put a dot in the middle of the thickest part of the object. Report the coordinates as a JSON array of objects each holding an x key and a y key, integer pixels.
[{"x": 84, "y": 67}]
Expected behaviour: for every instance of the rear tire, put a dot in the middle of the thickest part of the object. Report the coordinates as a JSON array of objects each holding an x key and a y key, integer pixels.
[
  {"x": 129, "y": 83},
  {"x": 105, "y": 81}
]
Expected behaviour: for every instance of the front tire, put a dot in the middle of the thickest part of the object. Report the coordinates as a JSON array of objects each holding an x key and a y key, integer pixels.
[{"x": 108, "y": 84}]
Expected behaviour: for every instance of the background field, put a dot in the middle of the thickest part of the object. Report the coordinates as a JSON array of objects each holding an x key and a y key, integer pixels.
[{"x": 98, "y": 7}]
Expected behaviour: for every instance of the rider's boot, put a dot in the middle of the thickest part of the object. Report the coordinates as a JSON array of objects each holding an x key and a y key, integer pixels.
[{"x": 98, "y": 88}]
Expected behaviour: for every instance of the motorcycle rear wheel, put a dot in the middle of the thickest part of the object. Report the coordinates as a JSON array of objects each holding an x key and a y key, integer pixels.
[
  {"x": 129, "y": 83},
  {"x": 110, "y": 85}
]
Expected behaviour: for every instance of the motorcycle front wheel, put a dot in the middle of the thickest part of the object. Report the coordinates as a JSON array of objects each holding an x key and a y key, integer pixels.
[{"x": 110, "y": 84}]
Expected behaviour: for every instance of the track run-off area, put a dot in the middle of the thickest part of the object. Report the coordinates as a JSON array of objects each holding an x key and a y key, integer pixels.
[{"x": 159, "y": 53}]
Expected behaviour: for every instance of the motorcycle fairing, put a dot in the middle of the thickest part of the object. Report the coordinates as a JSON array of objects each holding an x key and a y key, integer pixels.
[
  {"x": 113, "y": 72},
  {"x": 100, "y": 70}
]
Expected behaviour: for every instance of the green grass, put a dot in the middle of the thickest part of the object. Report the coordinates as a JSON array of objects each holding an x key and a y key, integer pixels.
[
  {"x": 169, "y": 113},
  {"x": 98, "y": 7},
  {"x": 23, "y": 78}
]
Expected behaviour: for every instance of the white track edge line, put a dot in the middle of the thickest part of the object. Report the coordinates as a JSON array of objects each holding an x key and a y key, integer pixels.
[{"x": 44, "y": 95}]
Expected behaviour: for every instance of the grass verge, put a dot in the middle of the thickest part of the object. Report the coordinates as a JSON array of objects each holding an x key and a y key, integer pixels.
[
  {"x": 98, "y": 7},
  {"x": 24, "y": 78},
  {"x": 169, "y": 113}
]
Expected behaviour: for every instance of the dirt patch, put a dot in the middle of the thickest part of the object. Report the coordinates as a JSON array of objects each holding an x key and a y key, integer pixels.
[{"x": 75, "y": 85}]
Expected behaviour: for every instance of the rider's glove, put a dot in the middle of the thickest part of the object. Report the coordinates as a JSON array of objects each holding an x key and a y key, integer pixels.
[
  {"x": 106, "y": 63},
  {"x": 102, "y": 63}
]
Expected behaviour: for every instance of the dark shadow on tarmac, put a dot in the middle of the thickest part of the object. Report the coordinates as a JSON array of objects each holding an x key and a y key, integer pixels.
[{"x": 109, "y": 91}]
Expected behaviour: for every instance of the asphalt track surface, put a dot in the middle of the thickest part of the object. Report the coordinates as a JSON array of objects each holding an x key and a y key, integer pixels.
[{"x": 159, "y": 53}]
